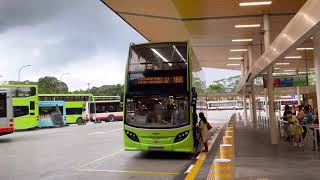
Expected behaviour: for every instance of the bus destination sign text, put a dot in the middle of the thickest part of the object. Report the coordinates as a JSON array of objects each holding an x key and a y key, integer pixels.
[{"x": 161, "y": 80}]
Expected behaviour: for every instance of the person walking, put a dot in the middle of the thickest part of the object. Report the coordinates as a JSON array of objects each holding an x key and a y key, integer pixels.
[
  {"x": 287, "y": 115},
  {"x": 204, "y": 131}
]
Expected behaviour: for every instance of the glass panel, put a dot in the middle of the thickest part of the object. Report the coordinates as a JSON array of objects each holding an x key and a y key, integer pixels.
[
  {"x": 20, "y": 111},
  {"x": 105, "y": 107},
  {"x": 3, "y": 105},
  {"x": 32, "y": 104},
  {"x": 160, "y": 56},
  {"x": 157, "y": 112},
  {"x": 74, "y": 111}
]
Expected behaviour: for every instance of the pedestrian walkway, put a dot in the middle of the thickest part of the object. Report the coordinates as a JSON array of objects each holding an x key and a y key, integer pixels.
[{"x": 256, "y": 158}]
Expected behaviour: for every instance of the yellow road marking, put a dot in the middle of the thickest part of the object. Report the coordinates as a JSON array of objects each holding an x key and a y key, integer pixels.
[
  {"x": 99, "y": 159},
  {"x": 129, "y": 171},
  {"x": 194, "y": 171}
]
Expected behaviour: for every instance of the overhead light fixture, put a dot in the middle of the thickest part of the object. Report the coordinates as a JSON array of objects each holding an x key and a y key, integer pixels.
[
  {"x": 293, "y": 57},
  {"x": 247, "y": 25},
  {"x": 233, "y": 64},
  {"x": 282, "y": 63},
  {"x": 160, "y": 55},
  {"x": 241, "y": 40},
  {"x": 289, "y": 70},
  {"x": 238, "y": 50},
  {"x": 235, "y": 58},
  {"x": 260, "y": 3},
  {"x": 174, "y": 47},
  {"x": 302, "y": 49}
]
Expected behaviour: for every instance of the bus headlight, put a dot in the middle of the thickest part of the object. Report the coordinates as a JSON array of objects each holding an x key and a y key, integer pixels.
[
  {"x": 132, "y": 136},
  {"x": 181, "y": 136}
]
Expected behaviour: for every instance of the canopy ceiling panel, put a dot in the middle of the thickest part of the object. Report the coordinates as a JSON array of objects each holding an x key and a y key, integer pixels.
[{"x": 207, "y": 24}]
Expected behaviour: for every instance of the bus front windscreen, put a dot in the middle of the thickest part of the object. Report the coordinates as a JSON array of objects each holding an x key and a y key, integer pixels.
[{"x": 157, "y": 112}]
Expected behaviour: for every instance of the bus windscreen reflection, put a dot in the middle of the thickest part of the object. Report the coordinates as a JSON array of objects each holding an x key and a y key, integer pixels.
[{"x": 157, "y": 112}]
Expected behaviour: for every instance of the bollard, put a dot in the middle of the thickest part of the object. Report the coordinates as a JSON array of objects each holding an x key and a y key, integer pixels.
[
  {"x": 227, "y": 152},
  {"x": 223, "y": 169},
  {"x": 230, "y": 128},
  {"x": 228, "y": 133},
  {"x": 228, "y": 140}
]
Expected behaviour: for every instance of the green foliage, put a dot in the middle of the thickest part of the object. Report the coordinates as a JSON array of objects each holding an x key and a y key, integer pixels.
[
  {"x": 105, "y": 90},
  {"x": 216, "y": 88},
  {"x": 224, "y": 85},
  {"x": 51, "y": 85},
  {"x": 198, "y": 84}
]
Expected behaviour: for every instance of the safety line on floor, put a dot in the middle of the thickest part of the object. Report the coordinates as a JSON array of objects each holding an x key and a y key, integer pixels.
[{"x": 194, "y": 171}]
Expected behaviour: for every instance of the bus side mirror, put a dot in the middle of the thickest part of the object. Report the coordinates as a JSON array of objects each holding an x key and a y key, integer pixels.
[{"x": 194, "y": 96}]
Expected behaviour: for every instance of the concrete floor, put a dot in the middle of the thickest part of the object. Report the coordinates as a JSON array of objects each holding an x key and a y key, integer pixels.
[
  {"x": 257, "y": 159},
  {"x": 86, "y": 152}
]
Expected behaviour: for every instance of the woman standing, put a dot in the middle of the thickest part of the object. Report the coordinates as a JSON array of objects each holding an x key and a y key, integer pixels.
[{"x": 204, "y": 132}]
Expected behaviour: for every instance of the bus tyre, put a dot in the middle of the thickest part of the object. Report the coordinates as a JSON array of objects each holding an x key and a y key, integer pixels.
[
  {"x": 80, "y": 121},
  {"x": 111, "y": 118}
]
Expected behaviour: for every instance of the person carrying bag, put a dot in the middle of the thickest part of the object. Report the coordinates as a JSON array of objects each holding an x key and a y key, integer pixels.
[{"x": 204, "y": 127}]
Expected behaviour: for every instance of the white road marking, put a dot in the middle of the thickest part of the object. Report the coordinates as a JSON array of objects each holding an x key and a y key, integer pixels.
[
  {"x": 189, "y": 169},
  {"x": 99, "y": 132},
  {"x": 104, "y": 132}
]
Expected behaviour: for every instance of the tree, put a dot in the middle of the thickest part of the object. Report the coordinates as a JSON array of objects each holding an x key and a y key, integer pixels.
[
  {"x": 216, "y": 88},
  {"x": 198, "y": 84},
  {"x": 51, "y": 85}
]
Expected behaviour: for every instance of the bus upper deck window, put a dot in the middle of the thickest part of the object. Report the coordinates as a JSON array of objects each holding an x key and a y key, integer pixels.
[{"x": 33, "y": 91}]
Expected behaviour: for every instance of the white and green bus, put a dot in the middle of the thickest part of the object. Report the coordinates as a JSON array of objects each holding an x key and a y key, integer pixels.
[
  {"x": 160, "y": 102},
  {"x": 6, "y": 112}
]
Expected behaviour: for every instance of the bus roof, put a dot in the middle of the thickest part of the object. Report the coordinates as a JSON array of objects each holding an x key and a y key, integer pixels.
[
  {"x": 65, "y": 95},
  {"x": 18, "y": 85}
]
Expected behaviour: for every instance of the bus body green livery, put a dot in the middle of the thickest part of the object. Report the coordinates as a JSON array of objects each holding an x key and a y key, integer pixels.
[
  {"x": 160, "y": 98},
  {"x": 74, "y": 104},
  {"x": 25, "y": 105}
]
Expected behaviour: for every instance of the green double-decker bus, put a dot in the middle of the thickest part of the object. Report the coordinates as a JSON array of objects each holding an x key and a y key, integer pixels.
[
  {"x": 75, "y": 104},
  {"x": 159, "y": 98},
  {"x": 25, "y": 105}
]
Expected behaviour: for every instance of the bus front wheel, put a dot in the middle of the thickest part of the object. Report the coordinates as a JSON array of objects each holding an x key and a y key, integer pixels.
[
  {"x": 80, "y": 121},
  {"x": 111, "y": 118}
]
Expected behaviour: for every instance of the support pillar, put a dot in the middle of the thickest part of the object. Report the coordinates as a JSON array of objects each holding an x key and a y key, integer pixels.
[
  {"x": 272, "y": 116},
  {"x": 253, "y": 107},
  {"x": 244, "y": 92},
  {"x": 298, "y": 95},
  {"x": 316, "y": 55}
]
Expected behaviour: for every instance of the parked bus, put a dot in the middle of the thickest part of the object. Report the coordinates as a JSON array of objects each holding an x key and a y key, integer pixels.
[
  {"x": 52, "y": 114},
  {"x": 6, "y": 112},
  {"x": 25, "y": 105},
  {"x": 159, "y": 100},
  {"x": 225, "y": 105},
  {"x": 75, "y": 104},
  {"x": 103, "y": 108},
  {"x": 279, "y": 104}
]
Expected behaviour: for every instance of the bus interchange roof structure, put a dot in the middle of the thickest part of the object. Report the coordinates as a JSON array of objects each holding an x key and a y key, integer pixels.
[{"x": 222, "y": 32}]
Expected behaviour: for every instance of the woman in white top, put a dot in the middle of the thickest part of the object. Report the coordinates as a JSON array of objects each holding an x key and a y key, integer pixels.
[{"x": 204, "y": 132}]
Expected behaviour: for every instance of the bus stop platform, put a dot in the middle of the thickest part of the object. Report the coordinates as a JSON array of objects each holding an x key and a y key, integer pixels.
[{"x": 256, "y": 158}]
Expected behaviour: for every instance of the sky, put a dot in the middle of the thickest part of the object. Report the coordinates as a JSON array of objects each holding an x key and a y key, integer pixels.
[{"x": 82, "y": 38}]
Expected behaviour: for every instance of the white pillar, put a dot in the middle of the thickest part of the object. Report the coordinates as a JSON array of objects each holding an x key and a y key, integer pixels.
[
  {"x": 272, "y": 116},
  {"x": 252, "y": 97},
  {"x": 316, "y": 56},
  {"x": 298, "y": 95},
  {"x": 244, "y": 99}
]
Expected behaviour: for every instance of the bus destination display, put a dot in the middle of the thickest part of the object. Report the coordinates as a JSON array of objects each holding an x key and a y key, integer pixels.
[{"x": 161, "y": 80}]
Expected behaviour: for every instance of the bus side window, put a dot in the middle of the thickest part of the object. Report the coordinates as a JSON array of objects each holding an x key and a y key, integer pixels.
[
  {"x": 32, "y": 105},
  {"x": 33, "y": 91}
]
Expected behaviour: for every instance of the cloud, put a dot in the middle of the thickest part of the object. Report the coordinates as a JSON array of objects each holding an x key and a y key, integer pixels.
[{"x": 14, "y": 13}]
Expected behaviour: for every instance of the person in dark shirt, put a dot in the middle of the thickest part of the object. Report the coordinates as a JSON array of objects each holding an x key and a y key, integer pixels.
[{"x": 287, "y": 115}]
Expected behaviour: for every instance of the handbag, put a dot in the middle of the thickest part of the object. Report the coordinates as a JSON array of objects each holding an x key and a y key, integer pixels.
[{"x": 209, "y": 126}]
